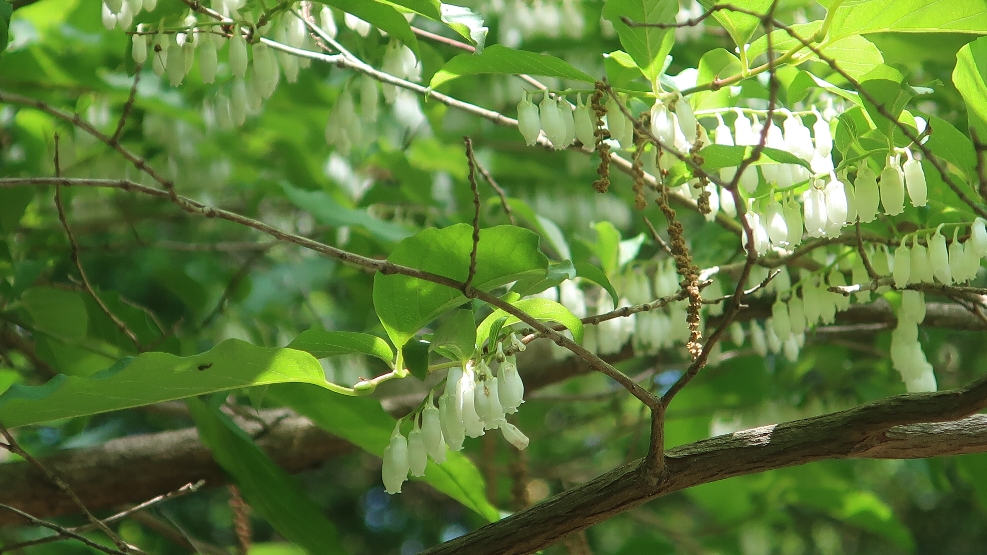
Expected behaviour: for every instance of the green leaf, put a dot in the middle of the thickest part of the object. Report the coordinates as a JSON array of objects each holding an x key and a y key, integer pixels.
[
  {"x": 885, "y": 86},
  {"x": 380, "y": 15},
  {"x": 910, "y": 16},
  {"x": 364, "y": 423},
  {"x": 467, "y": 23},
  {"x": 970, "y": 78},
  {"x": 269, "y": 490},
  {"x": 648, "y": 46},
  {"x": 415, "y": 356},
  {"x": 57, "y": 312},
  {"x": 740, "y": 26},
  {"x": 321, "y": 344},
  {"x": 952, "y": 146},
  {"x": 5, "y": 11},
  {"x": 607, "y": 246},
  {"x": 726, "y": 156},
  {"x": 457, "y": 335},
  {"x": 427, "y": 8},
  {"x": 714, "y": 64},
  {"x": 588, "y": 271},
  {"x": 232, "y": 364},
  {"x": 850, "y": 126},
  {"x": 405, "y": 304},
  {"x": 540, "y": 309},
  {"x": 544, "y": 226},
  {"x": 329, "y": 212},
  {"x": 621, "y": 69},
  {"x": 855, "y": 55},
  {"x": 782, "y": 40},
  {"x": 557, "y": 273},
  {"x": 500, "y": 59}
]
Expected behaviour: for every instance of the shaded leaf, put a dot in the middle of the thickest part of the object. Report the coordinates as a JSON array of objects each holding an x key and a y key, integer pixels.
[
  {"x": 541, "y": 309},
  {"x": 321, "y": 344},
  {"x": 648, "y": 46},
  {"x": 500, "y": 59},
  {"x": 970, "y": 78},
  {"x": 457, "y": 335}
]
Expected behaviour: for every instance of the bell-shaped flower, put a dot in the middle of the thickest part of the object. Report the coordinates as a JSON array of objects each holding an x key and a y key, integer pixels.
[
  {"x": 514, "y": 436},
  {"x": 238, "y": 53},
  {"x": 762, "y": 243},
  {"x": 912, "y": 306},
  {"x": 836, "y": 201},
  {"x": 780, "y": 318},
  {"x": 714, "y": 202},
  {"x": 759, "y": 342},
  {"x": 814, "y": 204},
  {"x": 915, "y": 182},
  {"x": 921, "y": 271},
  {"x": 957, "y": 259},
  {"x": 662, "y": 123},
  {"x": 568, "y": 120},
  {"x": 584, "y": 120},
  {"x": 774, "y": 221},
  {"x": 394, "y": 470},
  {"x": 797, "y": 137},
  {"x": 796, "y": 315},
  {"x": 615, "y": 121},
  {"x": 453, "y": 430},
  {"x": 552, "y": 122},
  {"x": 686, "y": 119},
  {"x": 793, "y": 221},
  {"x": 510, "y": 388},
  {"x": 867, "y": 195},
  {"x": 743, "y": 133},
  {"x": 727, "y": 203},
  {"x": 939, "y": 258},
  {"x": 892, "y": 188},
  {"x": 432, "y": 432},
  {"x": 417, "y": 454},
  {"x": 902, "y": 268},
  {"x": 978, "y": 237},
  {"x": 528, "y": 121},
  {"x": 466, "y": 395}
]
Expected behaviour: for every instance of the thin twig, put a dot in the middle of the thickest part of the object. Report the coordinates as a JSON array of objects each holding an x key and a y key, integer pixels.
[
  {"x": 16, "y": 449},
  {"x": 654, "y": 235},
  {"x": 471, "y": 163},
  {"x": 66, "y": 532},
  {"x": 120, "y": 324},
  {"x": 128, "y": 106},
  {"x": 184, "y": 490}
]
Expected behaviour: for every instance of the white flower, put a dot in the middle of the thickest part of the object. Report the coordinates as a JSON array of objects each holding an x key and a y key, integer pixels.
[
  {"x": 552, "y": 122},
  {"x": 395, "y": 469},
  {"x": 453, "y": 431},
  {"x": 780, "y": 320},
  {"x": 758, "y": 339},
  {"x": 777, "y": 227},
  {"x": 432, "y": 432},
  {"x": 510, "y": 388},
  {"x": 686, "y": 119},
  {"x": 892, "y": 188},
  {"x": 939, "y": 258},
  {"x": 466, "y": 397},
  {"x": 514, "y": 435},
  {"x": 238, "y": 53},
  {"x": 836, "y": 201},
  {"x": 824, "y": 137},
  {"x": 417, "y": 455},
  {"x": 584, "y": 121},
  {"x": 915, "y": 182},
  {"x": 902, "y": 267},
  {"x": 528, "y": 121},
  {"x": 139, "y": 48},
  {"x": 662, "y": 124},
  {"x": 867, "y": 195}
]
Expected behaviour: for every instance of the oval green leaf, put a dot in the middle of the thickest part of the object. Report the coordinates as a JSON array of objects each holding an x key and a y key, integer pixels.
[{"x": 500, "y": 59}]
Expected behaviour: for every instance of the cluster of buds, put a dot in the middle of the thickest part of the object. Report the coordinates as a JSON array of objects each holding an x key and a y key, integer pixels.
[
  {"x": 906, "y": 352},
  {"x": 562, "y": 123},
  {"x": 474, "y": 400},
  {"x": 122, "y": 12},
  {"x": 957, "y": 263},
  {"x": 889, "y": 195}
]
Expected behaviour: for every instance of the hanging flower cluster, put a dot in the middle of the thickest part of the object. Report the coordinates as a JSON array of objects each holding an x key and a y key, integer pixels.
[
  {"x": 474, "y": 400},
  {"x": 562, "y": 123},
  {"x": 906, "y": 351}
]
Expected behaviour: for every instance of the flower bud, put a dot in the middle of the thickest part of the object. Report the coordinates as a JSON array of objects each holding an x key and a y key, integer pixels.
[
  {"x": 662, "y": 124},
  {"x": 139, "y": 49},
  {"x": 939, "y": 258},
  {"x": 727, "y": 203},
  {"x": 175, "y": 64},
  {"x": 687, "y": 120},
  {"x": 568, "y": 120},
  {"x": 775, "y": 223},
  {"x": 584, "y": 121},
  {"x": 528, "y": 121},
  {"x": 514, "y": 436},
  {"x": 915, "y": 182},
  {"x": 814, "y": 204},
  {"x": 758, "y": 339},
  {"x": 793, "y": 221},
  {"x": 369, "y": 99},
  {"x": 978, "y": 237},
  {"x": 743, "y": 132},
  {"x": 356, "y": 24},
  {"x": 810, "y": 304},
  {"x": 417, "y": 456},
  {"x": 453, "y": 431},
  {"x": 208, "y": 61},
  {"x": 737, "y": 333},
  {"x": 836, "y": 201},
  {"x": 159, "y": 54},
  {"x": 749, "y": 179},
  {"x": 796, "y": 315},
  {"x": 616, "y": 121},
  {"x": 772, "y": 339},
  {"x": 109, "y": 17},
  {"x": 466, "y": 395},
  {"x": 902, "y": 265},
  {"x": 780, "y": 319},
  {"x": 327, "y": 22},
  {"x": 790, "y": 348},
  {"x": 238, "y": 53},
  {"x": 958, "y": 267},
  {"x": 867, "y": 195},
  {"x": 892, "y": 189},
  {"x": 396, "y": 465},
  {"x": 510, "y": 388},
  {"x": 432, "y": 433},
  {"x": 912, "y": 306}
]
